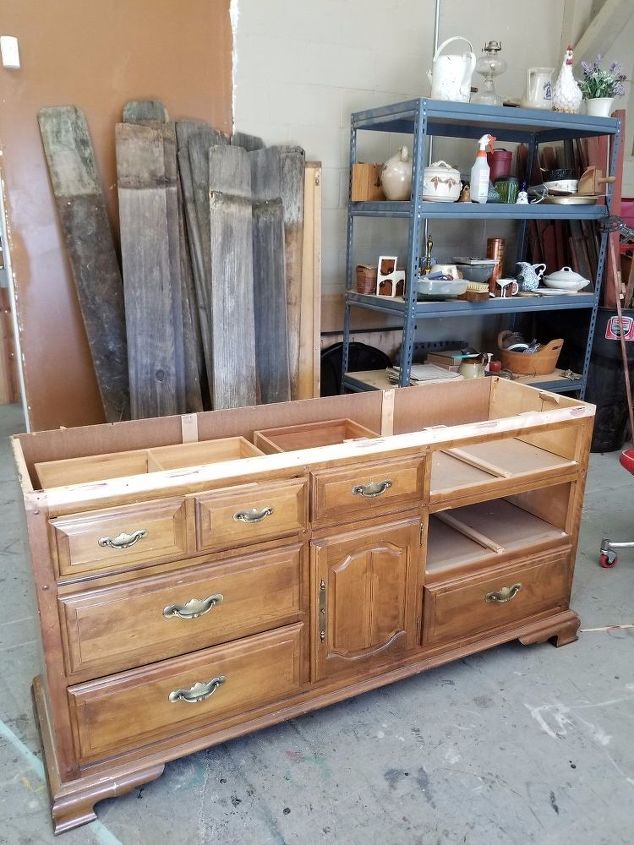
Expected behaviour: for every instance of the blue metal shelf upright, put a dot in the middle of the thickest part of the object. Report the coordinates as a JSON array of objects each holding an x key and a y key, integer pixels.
[{"x": 422, "y": 118}]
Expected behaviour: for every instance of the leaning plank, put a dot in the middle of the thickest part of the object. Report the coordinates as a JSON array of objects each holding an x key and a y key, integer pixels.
[
  {"x": 269, "y": 294},
  {"x": 248, "y": 142},
  {"x": 142, "y": 111},
  {"x": 232, "y": 316},
  {"x": 90, "y": 246},
  {"x": 279, "y": 172},
  {"x": 185, "y": 129},
  {"x": 310, "y": 316},
  {"x": 150, "y": 250}
]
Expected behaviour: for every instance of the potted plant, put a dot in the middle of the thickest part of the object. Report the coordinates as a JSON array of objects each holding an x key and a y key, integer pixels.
[{"x": 600, "y": 86}]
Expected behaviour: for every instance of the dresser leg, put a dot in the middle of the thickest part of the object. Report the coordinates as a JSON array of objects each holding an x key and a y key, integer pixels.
[
  {"x": 73, "y": 801},
  {"x": 560, "y": 630}
]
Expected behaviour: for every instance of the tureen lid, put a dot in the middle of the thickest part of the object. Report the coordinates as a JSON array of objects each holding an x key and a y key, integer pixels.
[{"x": 566, "y": 274}]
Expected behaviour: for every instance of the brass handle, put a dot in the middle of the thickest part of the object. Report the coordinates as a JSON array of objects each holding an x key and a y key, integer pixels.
[
  {"x": 199, "y": 692},
  {"x": 254, "y": 515},
  {"x": 193, "y": 608},
  {"x": 123, "y": 540},
  {"x": 503, "y": 595},
  {"x": 370, "y": 491},
  {"x": 322, "y": 610}
]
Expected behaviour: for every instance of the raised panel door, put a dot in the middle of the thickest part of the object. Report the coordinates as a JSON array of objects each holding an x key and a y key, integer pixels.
[{"x": 366, "y": 587}]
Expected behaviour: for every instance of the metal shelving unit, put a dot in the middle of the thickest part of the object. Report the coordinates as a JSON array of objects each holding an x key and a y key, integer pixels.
[{"x": 422, "y": 118}]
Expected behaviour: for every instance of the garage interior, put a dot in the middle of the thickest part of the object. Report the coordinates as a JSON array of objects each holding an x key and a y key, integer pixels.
[{"x": 385, "y": 708}]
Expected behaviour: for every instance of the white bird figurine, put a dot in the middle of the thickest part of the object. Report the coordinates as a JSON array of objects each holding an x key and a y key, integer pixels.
[{"x": 567, "y": 95}]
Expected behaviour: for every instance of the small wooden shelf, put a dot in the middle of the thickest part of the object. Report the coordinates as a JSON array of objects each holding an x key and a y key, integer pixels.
[
  {"x": 490, "y": 465},
  {"x": 483, "y": 533},
  {"x": 139, "y": 461},
  {"x": 309, "y": 435}
]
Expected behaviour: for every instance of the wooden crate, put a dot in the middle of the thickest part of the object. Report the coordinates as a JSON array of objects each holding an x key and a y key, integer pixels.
[{"x": 366, "y": 183}]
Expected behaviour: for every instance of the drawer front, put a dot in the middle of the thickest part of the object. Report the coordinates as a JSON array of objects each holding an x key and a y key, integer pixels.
[
  {"x": 127, "y": 625},
  {"x": 367, "y": 488},
  {"x": 134, "y": 708},
  {"x": 120, "y": 537},
  {"x": 251, "y": 514},
  {"x": 476, "y": 605}
]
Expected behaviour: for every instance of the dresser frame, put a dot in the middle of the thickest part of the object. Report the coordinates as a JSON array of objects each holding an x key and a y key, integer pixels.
[{"x": 331, "y": 660}]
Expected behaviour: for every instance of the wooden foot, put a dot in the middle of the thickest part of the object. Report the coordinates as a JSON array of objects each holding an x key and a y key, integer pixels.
[
  {"x": 72, "y": 802},
  {"x": 560, "y": 630}
]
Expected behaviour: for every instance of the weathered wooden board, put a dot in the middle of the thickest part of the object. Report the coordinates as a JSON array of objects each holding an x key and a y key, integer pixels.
[
  {"x": 279, "y": 172},
  {"x": 142, "y": 111},
  {"x": 184, "y": 131},
  {"x": 269, "y": 294},
  {"x": 93, "y": 259},
  {"x": 194, "y": 359},
  {"x": 150, "y": 249},
  {"x": 248, "y": 142},
  {"x": 310, "y": 315},
  {"x": 231, "y": 257}
]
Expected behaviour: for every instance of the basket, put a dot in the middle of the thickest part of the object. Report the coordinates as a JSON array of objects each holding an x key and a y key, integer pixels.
[
  {"x": 366, "y": 278},
  {"x": 538, "y": 364}
]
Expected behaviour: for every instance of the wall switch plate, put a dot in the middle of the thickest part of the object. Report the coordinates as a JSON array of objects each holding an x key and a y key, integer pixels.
[{"x": 10, "y": 51}]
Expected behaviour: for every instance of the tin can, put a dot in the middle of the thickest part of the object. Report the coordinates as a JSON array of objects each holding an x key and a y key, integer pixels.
[{"x": 495, "y": 249}]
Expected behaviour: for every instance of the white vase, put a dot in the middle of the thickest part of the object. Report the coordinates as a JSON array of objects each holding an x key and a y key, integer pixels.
[
  {"x": 600, "y": 106},
  {"x": 396, "y": 176}
]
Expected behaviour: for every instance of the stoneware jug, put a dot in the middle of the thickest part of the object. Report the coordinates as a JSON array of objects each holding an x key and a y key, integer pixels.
[
  {"x": 396, "y": 176},
  {"x": 450, "y": 75},
  {"x": 539, "y": 88},
  {"x": 529, "y": 275}
]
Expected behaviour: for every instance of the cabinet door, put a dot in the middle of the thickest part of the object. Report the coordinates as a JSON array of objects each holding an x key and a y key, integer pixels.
[{"x": 365, "y": 597}]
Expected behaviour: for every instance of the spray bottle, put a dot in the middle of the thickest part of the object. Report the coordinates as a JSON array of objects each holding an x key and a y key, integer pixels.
[{"x": 480, "y": 170}]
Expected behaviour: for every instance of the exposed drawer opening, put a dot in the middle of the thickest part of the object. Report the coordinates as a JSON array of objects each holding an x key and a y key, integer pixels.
[{"x": 482, "y": 534}]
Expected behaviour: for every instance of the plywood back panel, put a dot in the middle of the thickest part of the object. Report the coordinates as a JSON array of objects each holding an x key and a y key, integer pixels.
[
  {"x": 96, "y": 57},
  {"x": 441, "y": 404}
]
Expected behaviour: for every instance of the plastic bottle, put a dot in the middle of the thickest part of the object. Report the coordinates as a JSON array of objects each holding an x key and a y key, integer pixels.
[{"x": 480, "y": 170}]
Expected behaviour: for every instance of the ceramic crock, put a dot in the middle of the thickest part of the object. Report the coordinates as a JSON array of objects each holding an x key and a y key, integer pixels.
[{"x": 441, "y": 183}]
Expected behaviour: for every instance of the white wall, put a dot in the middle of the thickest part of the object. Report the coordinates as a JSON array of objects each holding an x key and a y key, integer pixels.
[{"x": 301, "y": 67}]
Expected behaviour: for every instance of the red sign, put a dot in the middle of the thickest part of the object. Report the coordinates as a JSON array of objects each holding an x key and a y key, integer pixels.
[{"x": 613, "y": 329}]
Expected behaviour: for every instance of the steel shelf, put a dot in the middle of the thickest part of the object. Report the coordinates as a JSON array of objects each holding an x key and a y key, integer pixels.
[
  {"x": 467, "y": 120},
  {"x": 476, "y": 211},
  {"x": 556, "y": 385},
  {"x": 459, "y": 307},
  {"x": 424, "y": 118}
]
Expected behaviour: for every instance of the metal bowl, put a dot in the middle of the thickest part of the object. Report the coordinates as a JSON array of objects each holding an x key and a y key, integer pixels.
[{"x": 474, "y": 272}]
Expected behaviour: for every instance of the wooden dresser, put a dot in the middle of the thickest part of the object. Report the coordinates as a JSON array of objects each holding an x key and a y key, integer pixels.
[{"x": 201, "y": 577}]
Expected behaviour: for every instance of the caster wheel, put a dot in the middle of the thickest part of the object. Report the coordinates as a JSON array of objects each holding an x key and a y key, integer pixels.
[{"x": 608, "y": 560}]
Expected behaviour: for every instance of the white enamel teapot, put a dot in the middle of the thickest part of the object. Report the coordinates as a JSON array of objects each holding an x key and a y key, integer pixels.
[{"x": 450, "y": 76}]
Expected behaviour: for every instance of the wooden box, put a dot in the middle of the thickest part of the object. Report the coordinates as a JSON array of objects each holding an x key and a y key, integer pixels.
[
  {"x": 366, "y": 183},
  {"x": 310, "y": 435}
]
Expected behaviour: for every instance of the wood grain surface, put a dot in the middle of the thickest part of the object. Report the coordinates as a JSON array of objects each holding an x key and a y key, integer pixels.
[{"x": 91, "y": 251}]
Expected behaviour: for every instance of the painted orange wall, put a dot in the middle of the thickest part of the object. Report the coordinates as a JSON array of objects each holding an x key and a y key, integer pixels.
[{"x": 95, "y": 56}]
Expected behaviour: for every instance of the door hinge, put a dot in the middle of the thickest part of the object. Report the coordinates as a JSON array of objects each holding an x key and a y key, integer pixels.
[
  {"x": 421, "y": 536},
  {"x": 322, "y": 610}
]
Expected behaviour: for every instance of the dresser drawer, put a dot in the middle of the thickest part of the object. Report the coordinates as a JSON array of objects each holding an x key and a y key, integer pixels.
[
  {"x": 251, "y": 513},
  {"x": 127, "y": 625},
  {"x": 116, "y": 538},
  {"x": 134, "y": 708},
  {"x": 367, "y": 488},
  {"x": 476, "y": 605}
]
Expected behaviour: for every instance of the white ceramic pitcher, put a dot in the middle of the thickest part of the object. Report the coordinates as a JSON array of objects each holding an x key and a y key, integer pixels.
[
  {"x": 450, "y": 76},
  {"x": 539, "y": 88}
]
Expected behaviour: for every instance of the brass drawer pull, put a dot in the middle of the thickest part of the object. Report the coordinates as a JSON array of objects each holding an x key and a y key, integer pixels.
[
  {"x": 199, "y": 692},
  {"x": 123, "y": 540},
  {"x": 370, "y": 491},
  {"x": 193, "y": 608},
  {"x": 254, "y": 515},
  {"x": 503, "y": 595}
]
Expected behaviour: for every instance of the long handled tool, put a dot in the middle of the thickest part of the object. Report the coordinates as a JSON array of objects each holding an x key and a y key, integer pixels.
[{"x": 616, "y": 275}]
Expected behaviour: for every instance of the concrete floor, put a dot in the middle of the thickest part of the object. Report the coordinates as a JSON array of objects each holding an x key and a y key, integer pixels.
[{"x": 515, "y": 745}]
